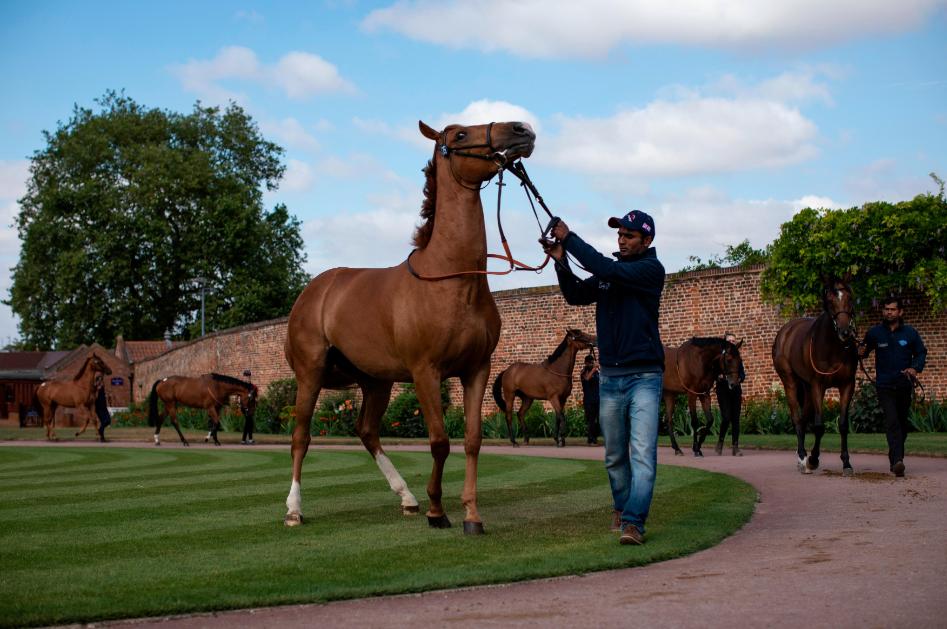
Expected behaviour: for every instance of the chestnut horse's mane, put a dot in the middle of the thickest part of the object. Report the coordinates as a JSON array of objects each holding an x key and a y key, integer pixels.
[
  {"x": 85, "y": 365},
  {"x": 422, "y": 235},
  {"x": 556, "y": 353}
]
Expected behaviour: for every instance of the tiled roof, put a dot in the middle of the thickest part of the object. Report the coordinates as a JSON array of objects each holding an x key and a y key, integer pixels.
[
  {"x": 21, "y": 360},
  {"x": 140, "y": 350}
]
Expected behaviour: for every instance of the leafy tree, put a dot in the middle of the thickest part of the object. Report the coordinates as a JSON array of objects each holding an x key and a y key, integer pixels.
[
  {"x": 741, "y": 255},
  {"x": 887, "y": 248},
  {"x": 126, "y": 205}
]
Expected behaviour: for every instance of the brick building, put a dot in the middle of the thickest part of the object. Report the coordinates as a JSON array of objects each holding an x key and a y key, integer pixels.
[{"x": 699, "y": 303}]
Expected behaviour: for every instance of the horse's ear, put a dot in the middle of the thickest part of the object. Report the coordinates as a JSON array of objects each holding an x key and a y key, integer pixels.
[
  {"x": 740, "y": 344},
  {"x": 427, "y": 131}
]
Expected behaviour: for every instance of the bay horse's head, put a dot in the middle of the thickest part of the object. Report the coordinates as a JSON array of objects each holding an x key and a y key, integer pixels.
[
  {"x": 730, "y": 361},
  {"x": 475, "y": 153},
  {"x": 579, "y": 339},
  {"x": 838, "y": 302}
]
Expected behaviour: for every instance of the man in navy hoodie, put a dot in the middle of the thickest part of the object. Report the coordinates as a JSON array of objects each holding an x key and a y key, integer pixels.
[
  {"x": 899, "y": 356},
  {"x": 627, "y": 294}
]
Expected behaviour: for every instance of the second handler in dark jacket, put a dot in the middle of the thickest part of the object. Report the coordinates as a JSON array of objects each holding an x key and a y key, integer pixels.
[{"x": 626, "y": 293}]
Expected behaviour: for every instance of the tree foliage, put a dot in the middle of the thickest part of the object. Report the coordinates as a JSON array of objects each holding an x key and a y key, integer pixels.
[
  {"x": 888, "y": 248},
  {"x": 742, "y": 254},
  {"x": 126, "y": 205}
]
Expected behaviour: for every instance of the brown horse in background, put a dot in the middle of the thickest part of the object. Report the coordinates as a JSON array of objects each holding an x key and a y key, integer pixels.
[
  {"x": 813, "y": 354},
  {"x": 429, "y": 318},
  {"x": 78, "y": 393},
  {"x": 549, "y": 380},
  {"x": 210, "y": 392},
  {"x": 693, "y": 368}
]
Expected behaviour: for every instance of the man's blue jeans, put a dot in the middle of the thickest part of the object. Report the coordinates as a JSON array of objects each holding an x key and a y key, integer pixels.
[{"x": 629, "y": 416}]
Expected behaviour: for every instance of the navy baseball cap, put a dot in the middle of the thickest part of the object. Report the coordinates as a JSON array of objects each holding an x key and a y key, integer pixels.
[{"x": 635, "y": 220}]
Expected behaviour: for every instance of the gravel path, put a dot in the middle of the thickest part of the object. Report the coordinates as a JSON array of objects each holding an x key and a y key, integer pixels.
[{"x": 820, "y": 551}]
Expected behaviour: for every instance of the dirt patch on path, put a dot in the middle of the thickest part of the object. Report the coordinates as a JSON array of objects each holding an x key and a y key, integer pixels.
[{"x": 821, "y": 550}]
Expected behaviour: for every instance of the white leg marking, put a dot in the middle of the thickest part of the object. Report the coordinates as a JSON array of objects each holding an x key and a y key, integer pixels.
[
  {"x": 294, "y": 500},
  {"x": 157, "y": 440},
  {"x": 395, "y": 481}
]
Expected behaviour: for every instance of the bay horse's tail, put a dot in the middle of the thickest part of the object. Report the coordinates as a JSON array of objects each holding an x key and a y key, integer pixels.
[
  {"x": 153, "y": 405},
  {"x": 498, "y": 391}
]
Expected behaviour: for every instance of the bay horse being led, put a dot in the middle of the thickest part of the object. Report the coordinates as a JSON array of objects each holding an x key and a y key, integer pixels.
[
  {"x": 408, "y": 323},
  {"x": 210, "y": 392},
  {"x": 78, "y": 393},
  {"x": 693, "y": 368},
  {"x": 549, "y": 380},
  {"x": 813, "y": 354}
]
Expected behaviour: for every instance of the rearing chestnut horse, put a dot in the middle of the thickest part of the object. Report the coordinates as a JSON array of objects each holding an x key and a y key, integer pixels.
[
  {"x": 693, "y": 368},
  {"x": 813, "y": 354},
  {"x": 210, "y": 392},
  {"x": 78, "y": 393},
  {"x": 549, "y": 380},
  {"x": 429, "y": 318}
]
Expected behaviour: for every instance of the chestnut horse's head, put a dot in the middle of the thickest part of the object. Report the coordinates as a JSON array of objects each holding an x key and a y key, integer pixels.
[
  {"x": 94, "y": 364},
  {"x": 477, "y": 152},
  {"x": 838, "y": 302}
]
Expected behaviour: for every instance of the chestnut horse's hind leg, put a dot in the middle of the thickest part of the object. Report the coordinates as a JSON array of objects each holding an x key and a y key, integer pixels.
[
  {"x": 375, "y": 396},
  {"x": 172, "y": 411},
  {"x": 525, "y": 403},
  {"x": 309, "y": 385},
  {"x": 49, "y": 419}
]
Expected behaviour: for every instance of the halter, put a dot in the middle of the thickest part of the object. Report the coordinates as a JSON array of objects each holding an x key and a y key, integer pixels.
[
  {"x": 846, "y": 343},
  {"x": 571, "y": 337}
]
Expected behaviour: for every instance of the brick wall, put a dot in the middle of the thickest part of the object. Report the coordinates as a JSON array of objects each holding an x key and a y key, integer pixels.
[{"x": 700, "y": 303}]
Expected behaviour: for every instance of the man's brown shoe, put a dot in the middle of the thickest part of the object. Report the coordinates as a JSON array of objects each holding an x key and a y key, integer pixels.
[
  {"x": 616, "y": 522},
  {"x": 898, "y": 469},
  {"x": 631, "y": 535}
]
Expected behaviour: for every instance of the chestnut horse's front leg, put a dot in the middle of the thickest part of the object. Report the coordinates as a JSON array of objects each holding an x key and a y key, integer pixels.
[
  {"x": 428, "y": 387},
  {"x": 306, "y": 394},
  {"x": 474, "y": 387}
]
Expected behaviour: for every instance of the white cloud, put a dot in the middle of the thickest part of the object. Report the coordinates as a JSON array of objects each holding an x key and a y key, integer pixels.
[
  {"x": 540, "y": 28},
  {"x": 250, "y": 16},
  {"x": 697, "y": 135},
  {"x": 290, "y": 132},
  {"x": 298, "y": 177},
  {"x": 797, "y": 86},
  {"x": 882, "y": 180},
  {"x": 299, "y": 75}
]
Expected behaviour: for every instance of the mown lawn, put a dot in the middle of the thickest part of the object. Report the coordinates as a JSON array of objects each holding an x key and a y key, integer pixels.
[{"x": 96, "y": 533}]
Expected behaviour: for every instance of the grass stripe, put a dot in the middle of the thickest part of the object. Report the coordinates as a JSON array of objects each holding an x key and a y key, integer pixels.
[{"x": 144, "y": 532}]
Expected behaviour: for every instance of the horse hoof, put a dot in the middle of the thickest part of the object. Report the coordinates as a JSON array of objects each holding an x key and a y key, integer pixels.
[
  {"x": 678, "y": 453},
  {"x": 847, "y": 471},
  {"x": 812, "y": 464},
  {"x": 410, "y": 509},
  {"x": 473, "y": 528},
  {"x": 719, "y": 449},
  {"x": 698, "y": 453},
  {"x": 186, "y": 444},
  {"x": 438, "y": 521},
  {"x": 515, "y": 445},
  {"x": 293, "y": 519}
]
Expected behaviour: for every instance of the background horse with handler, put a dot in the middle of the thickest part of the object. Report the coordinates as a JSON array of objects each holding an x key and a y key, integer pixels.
[
  {"x": 429, "y": 318},
  {"x": 549, "y": 380},
  {"x": 210, "y": 392},
  {"x": 78, "y": 393},
  {"x": 693, "y": 368},
  {"x": 813, "y": 354}
]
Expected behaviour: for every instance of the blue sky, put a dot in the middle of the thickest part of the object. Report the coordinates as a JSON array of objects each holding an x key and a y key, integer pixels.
[{"x": 722, "y": 118}]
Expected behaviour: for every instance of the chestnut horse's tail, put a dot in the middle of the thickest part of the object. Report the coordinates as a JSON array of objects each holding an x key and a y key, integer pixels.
[
  {"x": 498, "y": 391},
  {"x": 153, "y": 405}
]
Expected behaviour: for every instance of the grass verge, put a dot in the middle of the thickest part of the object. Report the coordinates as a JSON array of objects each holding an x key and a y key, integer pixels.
[{"x": 100, "y": 533}]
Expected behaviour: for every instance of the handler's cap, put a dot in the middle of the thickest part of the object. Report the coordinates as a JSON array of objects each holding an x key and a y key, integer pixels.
[{"x": 635, "y": 220}]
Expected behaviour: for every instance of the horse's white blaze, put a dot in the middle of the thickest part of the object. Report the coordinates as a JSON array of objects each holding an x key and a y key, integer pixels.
[
  {"x": 294, "y": 500},
  {"x": 395, "y": 481}
]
